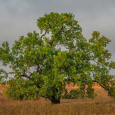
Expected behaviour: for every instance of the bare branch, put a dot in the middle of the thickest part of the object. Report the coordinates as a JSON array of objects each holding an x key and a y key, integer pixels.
[
  {"x": 43, "y": 34},
  {"x": 39, "y": 70},
  {"x": 24, "y": 75}
]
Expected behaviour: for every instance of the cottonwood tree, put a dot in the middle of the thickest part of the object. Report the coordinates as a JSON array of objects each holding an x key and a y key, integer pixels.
[{"x": 53, "y": 65}]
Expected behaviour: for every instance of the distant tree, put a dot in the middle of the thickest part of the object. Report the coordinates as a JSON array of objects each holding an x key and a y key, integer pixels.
[{"x": 52, "y": 64}]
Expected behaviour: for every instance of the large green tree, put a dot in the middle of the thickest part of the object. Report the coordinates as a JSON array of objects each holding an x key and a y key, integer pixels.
[{"x": 52, "y": 64}]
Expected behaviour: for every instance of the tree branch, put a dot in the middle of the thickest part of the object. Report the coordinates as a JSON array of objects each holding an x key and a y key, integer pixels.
[
  {"x": 43, "y": 34},
  {"x": 39, "y": 70},
  {"x": 24, "y": 75}
]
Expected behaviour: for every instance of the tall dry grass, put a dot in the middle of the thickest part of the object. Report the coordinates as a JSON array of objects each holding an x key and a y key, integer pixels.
[{"x": 101, "y": 105}]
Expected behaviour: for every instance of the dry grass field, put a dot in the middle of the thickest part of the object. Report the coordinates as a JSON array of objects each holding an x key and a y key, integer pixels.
[{"x": 101, "y": 105}]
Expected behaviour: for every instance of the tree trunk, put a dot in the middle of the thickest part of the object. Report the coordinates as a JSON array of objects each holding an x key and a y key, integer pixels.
[{"x": 54, "y": 100}]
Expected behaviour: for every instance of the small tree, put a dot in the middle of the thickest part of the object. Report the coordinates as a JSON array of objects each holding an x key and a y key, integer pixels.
[{"x": 52, "y": 64}]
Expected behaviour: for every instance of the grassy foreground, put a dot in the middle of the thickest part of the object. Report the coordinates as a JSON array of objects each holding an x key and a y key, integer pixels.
[
  {"x": 65, "y": 108},
  {"x": 101, "y": 105},
  {"x": 60, "y": 109}
]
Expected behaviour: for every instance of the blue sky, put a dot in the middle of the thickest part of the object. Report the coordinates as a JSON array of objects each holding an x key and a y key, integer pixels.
[{"x": 18, "y": 17}]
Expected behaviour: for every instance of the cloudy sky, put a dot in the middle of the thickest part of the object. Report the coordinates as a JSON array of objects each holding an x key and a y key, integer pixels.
[{"x": 18, "y": 17}]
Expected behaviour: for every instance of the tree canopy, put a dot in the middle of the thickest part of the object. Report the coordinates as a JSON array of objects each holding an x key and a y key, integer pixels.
[{"x": 53, "y": 65}]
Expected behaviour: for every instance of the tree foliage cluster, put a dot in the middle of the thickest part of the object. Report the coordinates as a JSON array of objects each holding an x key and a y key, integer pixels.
[{"x": 52, "y": 64}]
